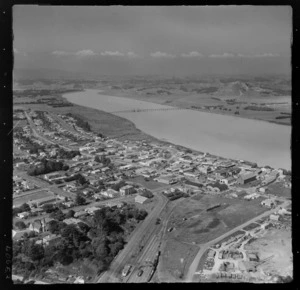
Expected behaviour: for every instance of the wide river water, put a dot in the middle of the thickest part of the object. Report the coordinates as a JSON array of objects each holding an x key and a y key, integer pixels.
[{"x": 227, "y": 136}]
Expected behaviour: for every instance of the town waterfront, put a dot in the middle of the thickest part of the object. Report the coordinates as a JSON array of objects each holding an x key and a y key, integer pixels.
[{"x": 226, "y": 136}]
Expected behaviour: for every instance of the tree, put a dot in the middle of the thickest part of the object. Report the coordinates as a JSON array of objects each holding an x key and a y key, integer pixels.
[
  {"x": 48, "y": 207},
  {"x": 53, "y": 227},
  {"x": 36, "y": 252},
  {"x": 25, "y": 207},
  {"x": 83, "y": 227},
  {"x": 57, "y": 215},
  {"x": 16, "y": 210},
  {"x": 80, "y": 200},
  {"x": 20, "y": 225},
  {"x": 81, "y": 179},
  {"x": 115, "y": 248},
  {"x": 70, "y": 214}
]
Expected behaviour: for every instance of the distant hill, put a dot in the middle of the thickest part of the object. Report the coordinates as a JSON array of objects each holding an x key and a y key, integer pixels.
[{"x": 48, "y": 74}]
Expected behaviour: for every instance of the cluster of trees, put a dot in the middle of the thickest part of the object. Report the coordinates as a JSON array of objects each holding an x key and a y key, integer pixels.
[
  {"x": 117, "y": 186},
  {"x": 257, "y": 108},
  {"x": 46, "y": 122},
  {"x": 63, "y": 154},
  {"x": 34, "y": 148},
  {"x": 24, "y": 207},
  {"x": 80, "y": 122},
  {"x": 47, "y": 166},
  {"x": 102, "y": 159},
  {"x": 98, "y": 240}
]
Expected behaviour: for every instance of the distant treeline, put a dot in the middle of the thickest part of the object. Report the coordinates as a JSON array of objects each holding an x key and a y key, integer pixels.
[
  {"x": 47, "y": 166},
  {"x": 257, "y": 108}
]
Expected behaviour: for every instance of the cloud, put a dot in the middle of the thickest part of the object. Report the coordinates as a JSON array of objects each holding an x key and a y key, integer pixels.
[
  {"x": 60, "y": 53},
  {"x": 112, "y": 53},
  {"x": 132, "y": 54},
  {"x": 267, "y": 55},
  {"x": 159, "y": 54},
  {"x": 224, "y": 55},
  {"x": 192, "y": 54},
  {"x": 258, "y": 55},
  {"x": 85, "y": 52}
]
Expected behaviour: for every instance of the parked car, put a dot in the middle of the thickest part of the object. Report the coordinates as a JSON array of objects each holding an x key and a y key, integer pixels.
[{"x": 140, "y": 272}]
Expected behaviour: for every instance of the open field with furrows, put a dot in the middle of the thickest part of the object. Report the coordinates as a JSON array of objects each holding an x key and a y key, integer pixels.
[
  {"x": 192, "y": 223},
  {"x": 275, "y": 243},
  {"x": 37, "y": 195}
]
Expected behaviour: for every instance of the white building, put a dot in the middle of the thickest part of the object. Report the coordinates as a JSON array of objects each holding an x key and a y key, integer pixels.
[{"x": 141, "y": 199}]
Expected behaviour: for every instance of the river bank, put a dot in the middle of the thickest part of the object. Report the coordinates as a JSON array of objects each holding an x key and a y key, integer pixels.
[
  {"x": 260, "y": 116},
  {"x": 227, "y": 136}
]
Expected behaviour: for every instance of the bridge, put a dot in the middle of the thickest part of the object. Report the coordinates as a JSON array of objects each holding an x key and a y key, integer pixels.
[{"x": 147, "y": 110}]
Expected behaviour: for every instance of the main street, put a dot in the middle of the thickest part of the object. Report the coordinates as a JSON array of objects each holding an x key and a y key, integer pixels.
[{"x": 203, "y": 247}]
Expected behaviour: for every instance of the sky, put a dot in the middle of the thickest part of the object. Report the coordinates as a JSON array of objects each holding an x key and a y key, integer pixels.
[{"x": 132, "y": 40}]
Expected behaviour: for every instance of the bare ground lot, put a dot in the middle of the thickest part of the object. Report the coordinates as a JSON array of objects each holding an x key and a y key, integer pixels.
[
  {"x": 202, "y": 226},
  {"x": 175, "y": 260},
  {"x": 276, "y": 243}
]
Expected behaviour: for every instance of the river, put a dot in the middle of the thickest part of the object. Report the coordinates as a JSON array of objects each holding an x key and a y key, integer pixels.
[{"x": 227, "y": 136}]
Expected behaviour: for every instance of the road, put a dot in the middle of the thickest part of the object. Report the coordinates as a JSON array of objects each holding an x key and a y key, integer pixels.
[
  {"x": 35, "y": 133},
  {"x": 62, "y": 122},
  {"x": 131, "y": 251},
  {"x": 204, "y": 247},
  {"x": 154, "y": 244},
  {"x": 82, "y": 207}
]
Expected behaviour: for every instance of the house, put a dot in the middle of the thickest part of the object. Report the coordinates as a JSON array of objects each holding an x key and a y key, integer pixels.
[
  {"x": 284, "y": 211},
  {"x": 72, "y": 221},
  {"x": 17, "y": 235},
  {"x": 228, "y": 181},
  {"x": 23, "y": 215},
  {"x": 221, "y": 173},
  {"x": 262, "y": 189},
  {"x": 44, "y": 200},
  {"x": 51, "y": 239},
  {"x": 141, "y": 199},
  {"x": 246, "y": 178},
  {"x": 53, "y": 176},
  {"x": 205, "y": 169},
  {"x": 91, "y": 210},
  {"x": 80, "y": 213},
  {"x": 37, "y": 226},
  {"x": 126, "y": 190},
  {"x": 274, "y": 217},
  {"x": 269, "y": 203},
  {"x": 110, "y": 193},
  {"x": 193, "y": 184},
  {"x": 217, "y": 187},
  {"x": 166, "y": 179}
]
